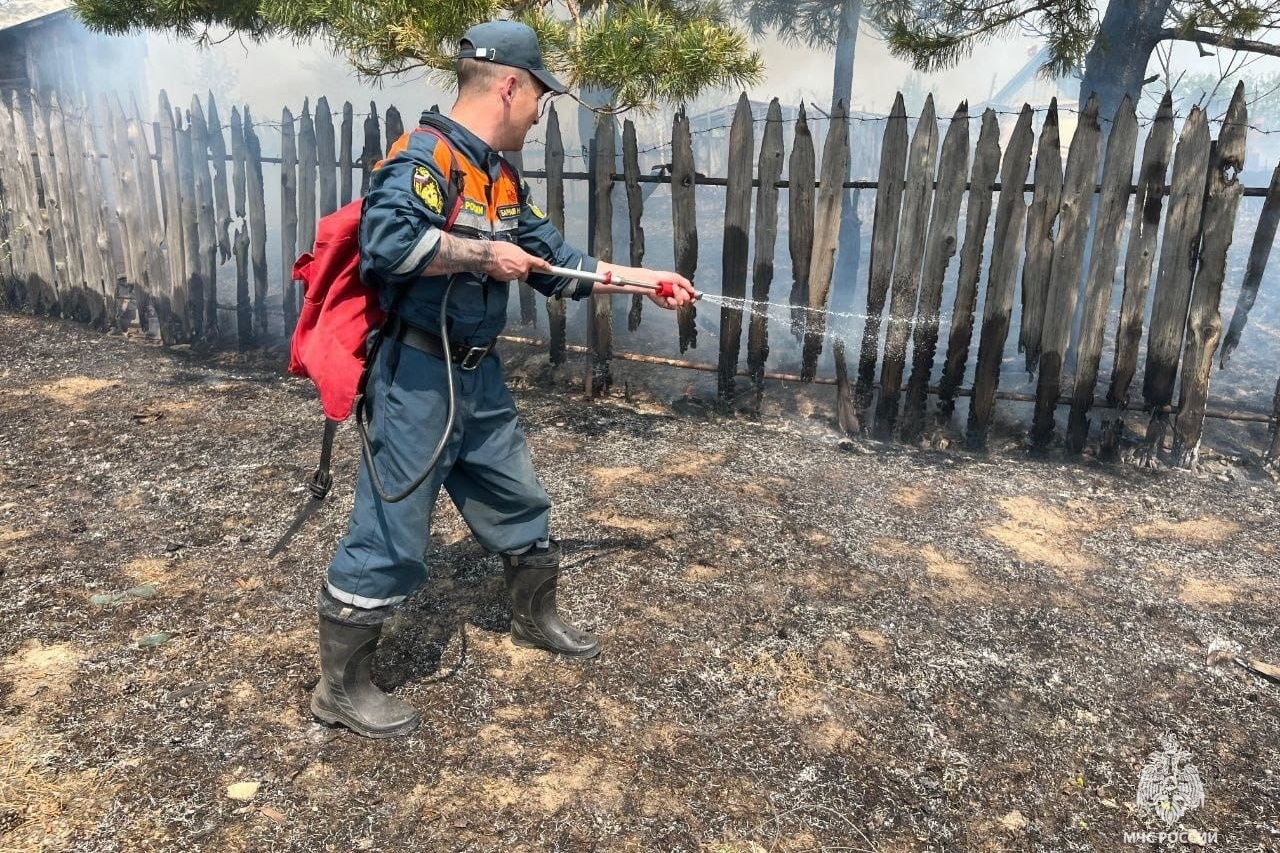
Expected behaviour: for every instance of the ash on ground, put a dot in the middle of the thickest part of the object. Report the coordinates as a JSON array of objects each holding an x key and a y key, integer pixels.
[{"x": 806, "y": 648}]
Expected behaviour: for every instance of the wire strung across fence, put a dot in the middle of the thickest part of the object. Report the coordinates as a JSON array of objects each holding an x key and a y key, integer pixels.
[{"x": 166, "y": 212}]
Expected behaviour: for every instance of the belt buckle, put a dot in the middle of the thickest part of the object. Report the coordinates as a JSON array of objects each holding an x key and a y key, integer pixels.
[{"x": 472, "y": 359}]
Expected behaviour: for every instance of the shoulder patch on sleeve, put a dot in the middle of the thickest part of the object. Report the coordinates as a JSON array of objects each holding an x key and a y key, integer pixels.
[
  {"x": 427, "y": 188},
  {"x": 534, "y": 209}
]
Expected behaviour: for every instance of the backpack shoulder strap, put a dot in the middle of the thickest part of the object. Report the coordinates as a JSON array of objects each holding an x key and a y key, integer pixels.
[{"x": 453, "y": 190}]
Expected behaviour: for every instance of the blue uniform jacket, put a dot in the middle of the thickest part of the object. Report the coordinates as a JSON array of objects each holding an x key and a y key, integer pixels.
[{"x": 403, "y": 216}]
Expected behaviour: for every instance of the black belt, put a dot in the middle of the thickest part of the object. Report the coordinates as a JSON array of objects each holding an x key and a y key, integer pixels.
[{"x": 467, "y": 358}]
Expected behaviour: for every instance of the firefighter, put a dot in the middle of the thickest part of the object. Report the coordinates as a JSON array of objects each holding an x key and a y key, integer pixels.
[{"x": 445, "y": 206}]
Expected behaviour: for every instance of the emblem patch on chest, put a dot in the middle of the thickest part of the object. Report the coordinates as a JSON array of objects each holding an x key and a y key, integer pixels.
[
  {"x": 427, "y": 188},
  {"x": 470, "y": 205},
  {"x": 509, "y": 211}
]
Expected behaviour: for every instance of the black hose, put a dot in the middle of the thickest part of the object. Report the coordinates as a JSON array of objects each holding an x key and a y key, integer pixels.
[{"x": 448, "y": 427}]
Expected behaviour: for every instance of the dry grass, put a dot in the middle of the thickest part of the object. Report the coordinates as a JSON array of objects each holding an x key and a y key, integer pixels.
[{"x": 808, "y": 647}]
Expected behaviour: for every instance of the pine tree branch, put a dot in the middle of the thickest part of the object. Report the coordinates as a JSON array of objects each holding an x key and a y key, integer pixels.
[{"x": 1219, "y": 40}]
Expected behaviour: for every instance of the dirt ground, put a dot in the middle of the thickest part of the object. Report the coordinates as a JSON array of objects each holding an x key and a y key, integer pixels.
[{"x": 810, "y": 645}]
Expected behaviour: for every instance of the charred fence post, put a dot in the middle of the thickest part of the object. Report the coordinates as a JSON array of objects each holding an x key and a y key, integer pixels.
[
  {"x": 735, "y": 246},
  {"x": 1067, "y": 268},
  {"x": 1144, "y": 229},
  {"x": 684, "y": 220},
  {"x": 922, "y": 160},
  {"x": 239, "y": 167},
  {"x": 554, "y": 166},
  {"x": 10, "y": 247},
  {"x": 1011, "y": 215},
  {"x": 846, "y": 411},
  {"x": 826, "y": 237},
  {"x": 884, "y": 239},
  {"x": 1116, "y": 174},
  {"x": 62, "y": 265},
  {"x": 63, "y": 173},
  {"x": 1271, "y": 459},
  {"x": 205, "y": 214},
  {"x": 94, "y": 240},
  {"x": 178, "y": 325},
  {"x": 133, "y": 236},
  {"x": 1204, "y": 320},
  {"x": 97, "y": 201},
  {"x": 21, "y": 261},
  {"x": 74, "y": 223},
  {"x": 87, "y": 298},
  {"x": 221, "y": 203},
  {"x": 1179, "y": 254},
  {"x": 1259, "y": 253},
  {"x": 1037, "y": 270},
  {"x": 371, "y": 153},
  {"x": 635, "y": 212},
  {"x": 326, "y": 158},
  {"x": 394, "y": 125},
  {"x": 802, "y": 180},
  {"x": 986, "y": 162},
  {"x": 244, "y": 313},
  {"x": 13, "y": 243},
  {"x": 64, "y": 207},
  {"x": 257, "y": 231},
  {"x": 94, "y": 214},
  {"x": 939, "y": 247},
  {"x": 345, "y": 144},
  {"x": 155, "y": 269},
  {"x": 306, "y": 181},
  {"x": 289, "y": 218},
  {"x": 144, "y": 142},
  {"x": 602, "y": 162},
  {"x": 38, "y": 277},
  {"x": 190, "y": 232},
  {"x": 44, "y": 293},
  {"x": 770, "y": 172}
]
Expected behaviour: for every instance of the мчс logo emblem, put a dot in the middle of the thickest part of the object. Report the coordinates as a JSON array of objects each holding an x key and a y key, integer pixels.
[
  {"x": 1170, "y": 785},
  {"x": 426, "y": 188}
]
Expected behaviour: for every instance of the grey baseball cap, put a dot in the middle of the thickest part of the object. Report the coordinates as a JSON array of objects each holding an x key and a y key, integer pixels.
[{"x": 508, "y": 43}]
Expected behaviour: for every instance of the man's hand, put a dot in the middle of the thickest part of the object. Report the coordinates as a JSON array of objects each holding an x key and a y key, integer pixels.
[
  {"x": 509, "y": 262},
  {"x": 684, "y": 292}
]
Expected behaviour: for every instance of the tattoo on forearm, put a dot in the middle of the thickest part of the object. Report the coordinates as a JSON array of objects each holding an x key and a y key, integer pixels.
[{"x": 458, "y": 254}]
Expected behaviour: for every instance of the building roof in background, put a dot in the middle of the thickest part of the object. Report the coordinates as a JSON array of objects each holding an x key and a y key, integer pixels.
[{"x": 14, "y": 13}]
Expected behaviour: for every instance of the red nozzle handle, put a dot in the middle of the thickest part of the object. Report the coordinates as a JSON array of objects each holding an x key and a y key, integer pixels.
[{"x": 665, "y": 288}]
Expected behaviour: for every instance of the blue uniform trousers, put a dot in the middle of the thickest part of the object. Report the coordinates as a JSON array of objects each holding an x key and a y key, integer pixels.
[{"x": 486, "y": 468}]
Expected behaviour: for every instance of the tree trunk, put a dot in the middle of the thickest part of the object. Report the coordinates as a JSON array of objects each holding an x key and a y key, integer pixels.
[{"x": 1116, "y": 65}]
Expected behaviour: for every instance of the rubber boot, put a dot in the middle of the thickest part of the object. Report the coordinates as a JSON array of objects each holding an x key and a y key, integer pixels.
[
  {"x": 346, "y": 694},
  {"x": 532, "y": 579}
]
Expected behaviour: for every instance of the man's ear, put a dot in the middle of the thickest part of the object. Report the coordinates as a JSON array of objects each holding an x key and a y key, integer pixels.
[{"x": 509, "y": 85}]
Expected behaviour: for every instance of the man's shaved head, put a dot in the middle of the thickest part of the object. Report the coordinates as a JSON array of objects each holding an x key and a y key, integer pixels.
[{"x": 477, "y": 75}]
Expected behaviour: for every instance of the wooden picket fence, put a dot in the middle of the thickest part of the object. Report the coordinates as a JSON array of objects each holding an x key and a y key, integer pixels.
[{"x": 98, "y": 204}]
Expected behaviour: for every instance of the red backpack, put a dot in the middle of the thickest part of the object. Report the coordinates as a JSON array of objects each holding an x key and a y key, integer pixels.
[
  {"x": 330, "y": 341},
  {"x": 338, "y": 309},
  {"x": 338, "y": 312}
]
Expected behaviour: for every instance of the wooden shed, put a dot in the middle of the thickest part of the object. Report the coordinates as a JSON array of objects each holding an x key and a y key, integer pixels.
[{"x": 44, "y": 49}]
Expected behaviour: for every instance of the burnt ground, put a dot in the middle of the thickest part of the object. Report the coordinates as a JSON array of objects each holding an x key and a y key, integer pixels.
[{"x": 809, "y": 646}]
